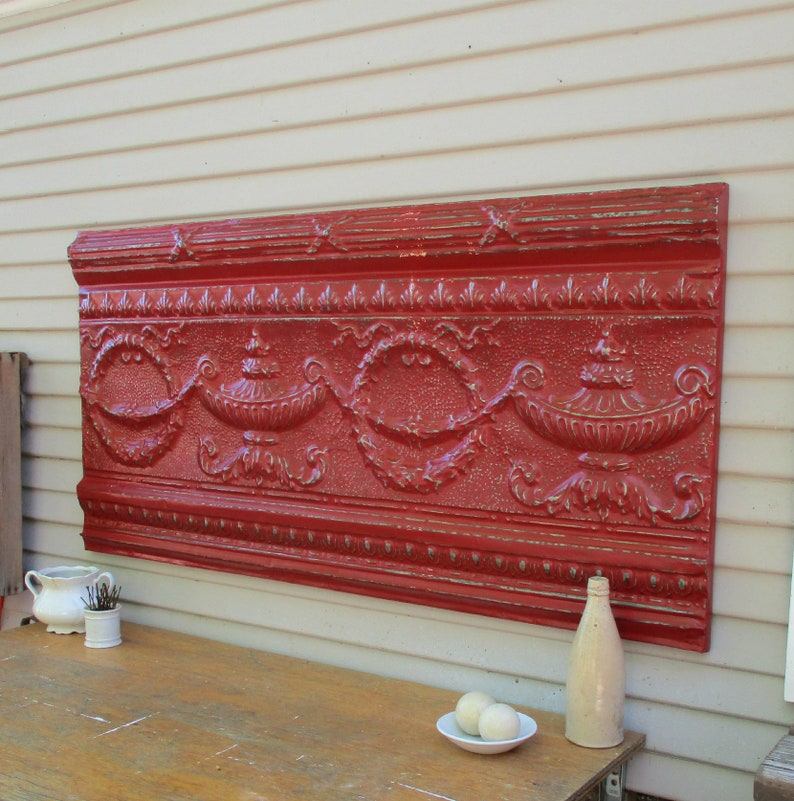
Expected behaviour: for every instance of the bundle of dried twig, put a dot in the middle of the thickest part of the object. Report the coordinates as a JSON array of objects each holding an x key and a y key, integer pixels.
[{"x": 102, "y": 597}]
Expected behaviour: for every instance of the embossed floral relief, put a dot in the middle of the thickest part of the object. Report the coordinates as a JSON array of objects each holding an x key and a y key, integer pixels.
[{"x": 482, "y": 443}]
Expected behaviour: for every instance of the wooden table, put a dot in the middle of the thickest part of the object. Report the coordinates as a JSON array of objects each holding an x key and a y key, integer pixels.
[{"x": 168, "y": 717}]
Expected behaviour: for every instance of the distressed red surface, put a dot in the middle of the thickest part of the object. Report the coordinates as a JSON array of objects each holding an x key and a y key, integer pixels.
[{"x": 474, "y": 405}]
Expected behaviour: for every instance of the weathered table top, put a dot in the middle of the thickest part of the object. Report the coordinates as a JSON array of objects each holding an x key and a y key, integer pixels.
[{"x": 169, "y": 717}]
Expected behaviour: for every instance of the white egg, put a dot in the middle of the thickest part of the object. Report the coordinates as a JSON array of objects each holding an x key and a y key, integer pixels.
[
  {"x": 469, "y": 708},
  {"x": 499, "y": 722}
]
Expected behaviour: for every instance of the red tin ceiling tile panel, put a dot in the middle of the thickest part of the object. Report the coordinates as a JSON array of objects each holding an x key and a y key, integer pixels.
[{"x": 471, "y": 405}]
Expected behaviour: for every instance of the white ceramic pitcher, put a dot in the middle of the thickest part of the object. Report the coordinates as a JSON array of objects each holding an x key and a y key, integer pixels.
[{"x": 56, "y": 595}]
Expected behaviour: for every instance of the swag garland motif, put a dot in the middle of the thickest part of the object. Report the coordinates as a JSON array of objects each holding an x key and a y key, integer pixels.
[{"x": 607, "y": 420}]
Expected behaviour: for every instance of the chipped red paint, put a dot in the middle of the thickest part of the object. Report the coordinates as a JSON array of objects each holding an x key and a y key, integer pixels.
[{"x": 473, "y": 405}]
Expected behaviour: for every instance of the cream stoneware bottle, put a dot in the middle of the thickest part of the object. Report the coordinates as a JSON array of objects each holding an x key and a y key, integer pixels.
[{"x": 596, "y": 686}]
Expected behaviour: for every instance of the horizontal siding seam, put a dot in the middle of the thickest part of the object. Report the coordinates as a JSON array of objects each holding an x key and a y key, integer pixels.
[
  {"x": 386, "y": 70},
  {"x": 132, "y": 37},
  {"x": 737, "y": 272},
  {"x": 756, "y": 524},
  {"x": 340, "y": 33},
  {"x": 690, "y": 705},
  {"x": 777, "y": 570},
  {"x": 488, "y": 5},
  {"x": 548, "y": 92},
  {"x": 411, "y": 155},
  {"x": 58, "y": 14},
  {"x": 762, "y": 325},
  {"x": 784, "y": 477},
  {"x": 53, "y": 13},
  {"x": 702, "y": 762},
  {"x": 748, "y": 428}
]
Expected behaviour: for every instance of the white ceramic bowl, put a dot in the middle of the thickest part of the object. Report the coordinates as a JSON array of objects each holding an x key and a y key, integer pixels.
[{"x": 469, "y": 742}]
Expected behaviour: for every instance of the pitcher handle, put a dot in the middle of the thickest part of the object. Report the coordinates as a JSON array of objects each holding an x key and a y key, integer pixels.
[
  {"x": 29, "y": 577},
  {"x": 107, "y": 576}
]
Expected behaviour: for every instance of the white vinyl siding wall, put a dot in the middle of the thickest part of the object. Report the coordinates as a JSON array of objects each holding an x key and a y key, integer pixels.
[{"x": 143, "y": 112}]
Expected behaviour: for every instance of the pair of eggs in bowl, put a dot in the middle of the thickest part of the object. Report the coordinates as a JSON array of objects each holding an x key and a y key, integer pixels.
[{"x": 484, "y": 726}]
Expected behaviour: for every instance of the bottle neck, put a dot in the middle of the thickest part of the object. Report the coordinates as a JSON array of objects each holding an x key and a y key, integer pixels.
[{"x": 598, "y": 587}]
